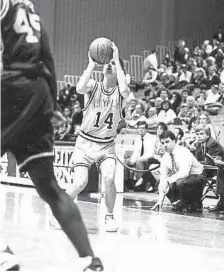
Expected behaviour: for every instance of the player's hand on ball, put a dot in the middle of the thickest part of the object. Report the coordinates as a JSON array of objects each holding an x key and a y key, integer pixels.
[
  {"x": 58, "y": 119},
  {"x": 115, "y": 52},
  {"x": 91, "y": 61},
  {"x": 158, "y": 206}
]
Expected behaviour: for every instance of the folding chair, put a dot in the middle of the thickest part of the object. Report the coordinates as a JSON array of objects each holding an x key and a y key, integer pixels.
[{"x": 210, "y": 183}]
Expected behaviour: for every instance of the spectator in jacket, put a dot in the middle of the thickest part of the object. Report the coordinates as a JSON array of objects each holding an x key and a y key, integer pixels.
[{"x": 209, "y": 151}]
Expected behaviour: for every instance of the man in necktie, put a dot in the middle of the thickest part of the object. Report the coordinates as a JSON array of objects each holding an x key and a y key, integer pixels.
[
  {"x": 181, "y": 176},
  {"x": 208, "y": 152},
  {"x": 143, "y": 150},
  {"x": 203, "y": 150}
]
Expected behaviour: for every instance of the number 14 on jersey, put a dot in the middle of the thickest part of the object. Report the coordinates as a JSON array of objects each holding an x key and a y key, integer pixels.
[{"x": 108, "y": 120}]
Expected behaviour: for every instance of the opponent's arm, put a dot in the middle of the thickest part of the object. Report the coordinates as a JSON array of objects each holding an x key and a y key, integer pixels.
[
  {"x": 121, "y": 78},
  {"x": 48, "y": 71},
  {"x": 49, "y": 67},
  {"x": 3, "y": 11},
  {"x": 85, "y": 84}
]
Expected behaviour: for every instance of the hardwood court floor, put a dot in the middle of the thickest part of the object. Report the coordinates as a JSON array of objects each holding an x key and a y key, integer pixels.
[{"x": 146, "y": 240}]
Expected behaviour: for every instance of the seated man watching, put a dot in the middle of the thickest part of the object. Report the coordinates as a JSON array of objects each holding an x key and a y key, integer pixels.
[
  {"x": 143, "y": 150},
  {"x": 210, "y": 152},
  {"x": 181, "y": 178}
]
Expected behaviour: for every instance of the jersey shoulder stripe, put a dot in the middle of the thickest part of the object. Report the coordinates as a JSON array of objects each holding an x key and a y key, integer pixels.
[
  {"x": 121, "y": 99},
  {"x": 4, "y": 8},
  {"x": 91, "y": 97}
]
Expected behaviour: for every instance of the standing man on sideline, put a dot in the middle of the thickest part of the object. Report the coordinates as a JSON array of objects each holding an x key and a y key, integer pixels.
[
  {"x": 104, "y": 102},
  {"x": 28, "y": 103},
  {"x": 181, "y": 179}
]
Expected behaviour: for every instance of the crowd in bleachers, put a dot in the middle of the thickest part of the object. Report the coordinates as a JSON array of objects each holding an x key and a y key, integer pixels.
[
  {"x": 182, "y": 94},
  {"x": 181, "y": 90}
]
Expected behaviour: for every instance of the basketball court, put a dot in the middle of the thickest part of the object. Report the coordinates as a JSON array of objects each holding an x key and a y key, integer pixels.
[{"x": 146, "y": 240}]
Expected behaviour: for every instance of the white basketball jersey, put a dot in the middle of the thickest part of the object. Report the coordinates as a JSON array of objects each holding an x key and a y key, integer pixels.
[{"x": 102, "y": 114}]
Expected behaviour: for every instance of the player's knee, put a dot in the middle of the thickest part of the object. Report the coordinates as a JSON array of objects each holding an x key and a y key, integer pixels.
[
  {"x": 80, "y": 177},
  {"x": 78, "y": 187},
  {"x": 51, "y": 191},
  {"x": 108, "y": 179},
  {"x": 82, "y": 182}
]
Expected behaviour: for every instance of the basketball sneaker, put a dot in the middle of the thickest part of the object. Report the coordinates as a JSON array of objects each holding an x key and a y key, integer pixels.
[
  {"x": 110, "y": 223},
  {"x": 8, "y": 261},
  {"x": 90, "y": 264}
]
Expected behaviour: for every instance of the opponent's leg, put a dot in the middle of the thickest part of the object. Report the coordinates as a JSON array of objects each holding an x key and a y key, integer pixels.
[
  {"x": 80, "y": 176},
  {"x": 62, "y": 206},
  {"x": 107, "y": 169}
]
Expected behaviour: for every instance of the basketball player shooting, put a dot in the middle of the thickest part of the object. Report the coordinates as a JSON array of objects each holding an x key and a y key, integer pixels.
[
  {"x": 28, "y": 103},
  {"x": 95, "y": 144}
]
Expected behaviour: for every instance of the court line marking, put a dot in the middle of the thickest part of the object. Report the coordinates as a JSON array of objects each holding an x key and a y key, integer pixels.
[
  {"x": 172, "y": 214},
  {"x": 32, "y": 191}
]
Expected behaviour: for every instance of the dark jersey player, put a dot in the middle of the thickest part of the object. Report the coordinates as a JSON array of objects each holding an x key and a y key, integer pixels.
[{"x": 28, "y": 103}]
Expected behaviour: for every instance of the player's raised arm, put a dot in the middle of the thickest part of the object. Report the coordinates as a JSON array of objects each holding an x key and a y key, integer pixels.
[
  {"x": 85, "y": 84},
  {"x": 4, "y": 8},
  {"x": 121, "y": 78}
]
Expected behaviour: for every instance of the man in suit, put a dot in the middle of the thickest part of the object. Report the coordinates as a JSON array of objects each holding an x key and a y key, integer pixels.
[
  {"x": 143, "y": 151},
  {"x": 210, "y": 152}
]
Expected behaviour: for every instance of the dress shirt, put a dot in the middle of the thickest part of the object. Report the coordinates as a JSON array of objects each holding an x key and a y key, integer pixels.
[
  {"x": 222, "y": 77},
  {"x": 166, "y": 116},
  {"x": 211, "y": 97},
  {"x": 133, "y": 122},
  {"x": 150, "y": 77},
  {"x": 152, "y": 121},
  {"x": 185, "y": 76},
  {"x": 184, "y": 164},
  {"x": 149, "y": 142}
]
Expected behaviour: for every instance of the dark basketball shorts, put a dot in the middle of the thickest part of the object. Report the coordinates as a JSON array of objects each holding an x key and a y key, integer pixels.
[{"x": 26, "y": 108}]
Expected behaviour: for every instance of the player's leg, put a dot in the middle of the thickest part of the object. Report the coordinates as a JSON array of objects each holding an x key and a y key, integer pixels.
[
  {"x": 80, "y": 176},
  {"x": 81, "y": 162},
  {"x": 10, "y": 125},
  {"x": 64, "y": 209},
  {"x": 107, "y": 169}
]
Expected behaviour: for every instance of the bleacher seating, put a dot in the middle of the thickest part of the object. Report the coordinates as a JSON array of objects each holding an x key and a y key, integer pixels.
[{"x": 71, "y": 79}]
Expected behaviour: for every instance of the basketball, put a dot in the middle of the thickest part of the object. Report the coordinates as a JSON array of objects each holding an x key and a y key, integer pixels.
[{"x": 101, "y": 51}]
